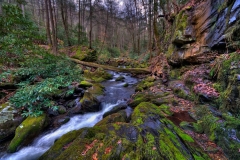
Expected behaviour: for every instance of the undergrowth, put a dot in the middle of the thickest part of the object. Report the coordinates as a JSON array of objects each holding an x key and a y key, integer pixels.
[{"x": 42, "y": 77}]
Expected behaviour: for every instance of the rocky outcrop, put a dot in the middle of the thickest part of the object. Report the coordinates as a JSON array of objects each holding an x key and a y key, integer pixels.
[{"x": 199, "y": 29}]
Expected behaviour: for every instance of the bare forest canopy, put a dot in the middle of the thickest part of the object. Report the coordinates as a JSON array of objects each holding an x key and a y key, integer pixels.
[{"x": 135, "y": 26}]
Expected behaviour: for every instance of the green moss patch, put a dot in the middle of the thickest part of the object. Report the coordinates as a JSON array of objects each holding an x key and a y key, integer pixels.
[{"x": 28, "y": 129}]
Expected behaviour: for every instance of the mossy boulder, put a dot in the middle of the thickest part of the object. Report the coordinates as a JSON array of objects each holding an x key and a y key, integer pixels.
[
  {"x": 155, "y": 98},
  {"x": 83, "y": 53},
  {"x": 149, "y": 135},
  {"x": 89, "y": 103},
  {"x": 96, "y": 90},
  {"x": 145, "y": 84},
  {"x": 85, "y": 84},
  {"x": 120, "y": 116},
  {"x": 99, "y": 75},
  {"x": 27, "y": 130}
]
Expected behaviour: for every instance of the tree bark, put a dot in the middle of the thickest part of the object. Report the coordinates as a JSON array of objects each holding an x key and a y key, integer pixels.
[
  {"x": 65, "y": 20},
  {"x": 48, "y": 24},
  {"x": 53, "y": 27},
  {"x": 90, "y": 31}
]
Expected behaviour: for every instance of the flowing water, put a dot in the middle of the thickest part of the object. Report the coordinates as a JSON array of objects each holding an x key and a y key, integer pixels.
[{"x": 115, "y": 94}]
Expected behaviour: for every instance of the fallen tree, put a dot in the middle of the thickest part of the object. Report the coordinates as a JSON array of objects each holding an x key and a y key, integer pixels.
[{"x": 128, "y": 70}]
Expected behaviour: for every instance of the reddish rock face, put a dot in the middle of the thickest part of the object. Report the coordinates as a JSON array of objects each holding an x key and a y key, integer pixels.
[{"x": 200, "y": 28}]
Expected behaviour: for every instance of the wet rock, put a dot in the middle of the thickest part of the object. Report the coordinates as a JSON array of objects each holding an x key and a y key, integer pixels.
[
  {"x": 85, "y": 84},
  {"x": 120, "y": 78},
  {"x": 115, "y": 109},
  {"x": 27, "y": 130},
  {"x": 52, "y": 112},
  {"x": 120, "y": 116},
  {"x": 89, "y": 103},
  {"x": 126, "y": 85},
  {"x": 62, "y": 110}
]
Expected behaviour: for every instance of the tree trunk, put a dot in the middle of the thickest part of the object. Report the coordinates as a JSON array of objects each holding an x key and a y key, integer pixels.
[
  {"x": 150, "y": 26},
  {"x": 79, "y": 21},
  {"x": 65, "y": 20},
  {"x": 48, "y": 24},
  {"x": 90, "y": 31},
  {"x": 54, "y": 44}
]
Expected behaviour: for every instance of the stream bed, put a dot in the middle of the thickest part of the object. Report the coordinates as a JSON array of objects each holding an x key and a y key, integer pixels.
[{"x": 114, "y": 94}]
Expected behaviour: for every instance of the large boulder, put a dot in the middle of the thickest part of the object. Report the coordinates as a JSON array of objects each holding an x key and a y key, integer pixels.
[{"x": 27, "y": 130}]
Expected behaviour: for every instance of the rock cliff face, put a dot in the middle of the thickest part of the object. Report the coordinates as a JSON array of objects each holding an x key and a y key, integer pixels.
[{"x": 209, "y": 25}]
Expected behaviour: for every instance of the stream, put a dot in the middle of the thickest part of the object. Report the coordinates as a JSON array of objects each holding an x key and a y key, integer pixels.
[{"x": 114, "y": 94}]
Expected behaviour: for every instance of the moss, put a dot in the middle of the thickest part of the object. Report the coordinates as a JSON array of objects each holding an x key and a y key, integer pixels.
[
  {"x": 85, "y": 54},
  {"x": 97, "y": 89},
  {"x": 145, "y": 84},
  {"x": 99, "y": 75},
  {"x": 126, "y": 85},
  {"x": 28, "y": 129},
  {"x": 166, "y": 109},
  {"x": 120, "y": 116},
  {"x": 58, "y": 146},
  {"x": 85, "y": 84}
]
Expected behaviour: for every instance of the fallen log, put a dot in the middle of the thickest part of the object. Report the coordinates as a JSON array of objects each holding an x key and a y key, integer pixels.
[{"x": 127, "y": 70}]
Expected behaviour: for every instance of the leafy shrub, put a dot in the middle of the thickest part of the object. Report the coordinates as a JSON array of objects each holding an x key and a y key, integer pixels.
[
  {"x": 43, "y": 76},
  {"x": 16, "y": 35}
]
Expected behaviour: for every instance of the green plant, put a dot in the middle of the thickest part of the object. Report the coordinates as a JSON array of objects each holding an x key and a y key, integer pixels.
[
  {"x": 16, "y": 35},
  {"x": 42, "y": 78}
]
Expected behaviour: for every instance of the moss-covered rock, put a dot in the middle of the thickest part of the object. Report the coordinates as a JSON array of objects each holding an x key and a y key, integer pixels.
[
  {"x": 84, "y": 54},
  {"x": 96, "y": 90},
  {"x": 85, "y": 84},
  {"x": 27, "y": 130},
  {"x": 149, "y": 135},
  {"x": 115, "y": 109},
  {"x": 89, "y": 103},
  {"x": 120, "y": 78},
  {"x": 120, "y": 116},
  {"x": 145, "y": 84},
  {"x": 99, "y": 75},
  {"x": 226, "y": 69}
]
